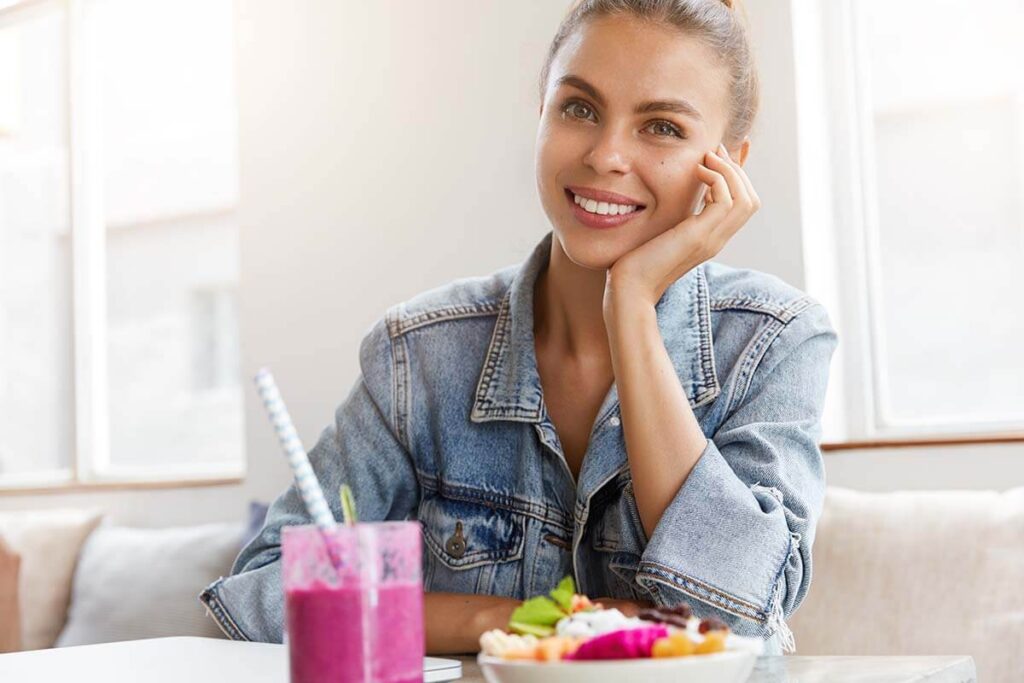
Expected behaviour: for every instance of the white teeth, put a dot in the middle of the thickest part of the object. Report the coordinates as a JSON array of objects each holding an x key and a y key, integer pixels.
[{"x": 603, "y": 208}]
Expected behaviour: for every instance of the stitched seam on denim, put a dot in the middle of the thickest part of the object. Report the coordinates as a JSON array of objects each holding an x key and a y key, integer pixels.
[
  {"x": 515, "y": 413},
  {"x": 544, "y": 513},
  {"x": 700, "y": 590},
  {"x": 707, "y": 351},
  {"x": 400, "y": 384},
  {"x": 779, "y": 573},
  {"x": 657, "y": 585},
  {"x": 799, "y": 306},
  {"x": 479, "y": 557},
  {"x": 750, "y": 306},
  {"x": 402, "y": 325},
  {"x": 493, "y": 351},
  {"x": 781, "y": 312},
  {"x": 752, "y": 356},
  {"x": 634, "y": 513},
  {"x": 678, "y": 576},
  {"x": 221, "y": 616},
  {"x": 404, "y": 396}
]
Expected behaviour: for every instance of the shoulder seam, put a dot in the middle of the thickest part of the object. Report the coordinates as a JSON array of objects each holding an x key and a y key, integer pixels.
[
  {"x": 754, "y": 354},
  {"x": 399, "y": 325},
  {"x": 784, "y": 313}
]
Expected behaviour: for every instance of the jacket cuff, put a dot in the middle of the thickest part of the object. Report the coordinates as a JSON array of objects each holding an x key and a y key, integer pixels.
[
  {"x": 215, "y": 608},
  {"x": 248, "y": 606},
  {"x": 725, "y": 545}
]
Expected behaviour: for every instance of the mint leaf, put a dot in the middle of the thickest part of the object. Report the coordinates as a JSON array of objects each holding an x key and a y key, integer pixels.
[
  {"x": 563, "y": 593},
  {"x": 539, "y": 611},
  {"x": 530, "y": 629}
]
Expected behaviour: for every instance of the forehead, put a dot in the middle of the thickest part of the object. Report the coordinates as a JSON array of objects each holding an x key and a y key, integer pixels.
[{"x": 629, "y": 61}]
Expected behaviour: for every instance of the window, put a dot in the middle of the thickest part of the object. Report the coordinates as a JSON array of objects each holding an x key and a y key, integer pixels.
[
  {"x": 118, "y": 242},
  {"x": 914, "y": 161}
]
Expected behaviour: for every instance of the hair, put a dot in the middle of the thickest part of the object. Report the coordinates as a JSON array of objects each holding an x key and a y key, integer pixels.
[{"x": 718, "y": 23}]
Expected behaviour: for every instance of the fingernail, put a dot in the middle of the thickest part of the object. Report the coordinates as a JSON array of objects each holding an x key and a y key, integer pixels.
[{"x": 723, "y": 150}]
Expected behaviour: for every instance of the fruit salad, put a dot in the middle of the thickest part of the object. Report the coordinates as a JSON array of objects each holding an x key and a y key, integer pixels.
[{"x": 566, "y": 626}]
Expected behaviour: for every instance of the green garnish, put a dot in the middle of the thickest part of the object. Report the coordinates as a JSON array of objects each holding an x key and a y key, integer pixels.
[
  {"x": 348, "y": 505},
  {"x": 563, "y": 593},
  {"x": 530, "y": 629},
  {"x": 538, "y": 616}
]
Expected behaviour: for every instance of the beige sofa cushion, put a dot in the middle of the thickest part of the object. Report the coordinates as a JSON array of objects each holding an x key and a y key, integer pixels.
[
  {"x": 48, "y": 542},
  {"x": 918, "y": 573},
  {"x": 132, "y": 584}
]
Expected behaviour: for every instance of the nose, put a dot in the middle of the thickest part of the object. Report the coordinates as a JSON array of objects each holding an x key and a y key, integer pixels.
[{"x": 610, "y": 152}]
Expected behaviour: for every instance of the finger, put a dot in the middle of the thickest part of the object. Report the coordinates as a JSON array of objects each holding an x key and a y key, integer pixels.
[
  {"x": 751, "y": 192},
  {"x": 743, "y": 206},
  {"x": 717, "y": 161},
  {"x": 718, "y": 222},
  {"x": 721, "y": 201}
]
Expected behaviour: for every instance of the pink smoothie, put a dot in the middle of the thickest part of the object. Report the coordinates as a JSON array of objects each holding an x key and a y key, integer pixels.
[{"x": 326, "y": 636}]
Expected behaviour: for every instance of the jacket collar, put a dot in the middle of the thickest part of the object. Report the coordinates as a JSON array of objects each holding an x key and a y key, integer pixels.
[{"x": 509, "y": 385}]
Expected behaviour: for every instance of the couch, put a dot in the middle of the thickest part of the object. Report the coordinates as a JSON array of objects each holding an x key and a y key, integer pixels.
[{"x": 901, "y": 573}]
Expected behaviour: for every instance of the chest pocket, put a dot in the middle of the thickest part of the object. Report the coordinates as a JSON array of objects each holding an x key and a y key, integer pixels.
[{"x": 470, "y": 547}]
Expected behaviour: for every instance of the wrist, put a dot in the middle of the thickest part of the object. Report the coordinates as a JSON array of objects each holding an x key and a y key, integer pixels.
[{"x": 625, "y": 308}]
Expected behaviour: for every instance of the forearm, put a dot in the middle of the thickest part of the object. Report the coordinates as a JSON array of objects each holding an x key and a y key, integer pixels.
[
  {"x": 663, "y": 438},
  {"x": 455, "y": 621}
]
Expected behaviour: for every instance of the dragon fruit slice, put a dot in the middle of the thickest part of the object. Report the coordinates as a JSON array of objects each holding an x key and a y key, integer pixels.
[{"x": 631, "y": 643}]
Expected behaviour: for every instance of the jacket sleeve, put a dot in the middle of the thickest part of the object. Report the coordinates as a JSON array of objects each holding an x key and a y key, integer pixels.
[
  {"x": 736, "y": 540},
  {"x": 362, "y": 448}
]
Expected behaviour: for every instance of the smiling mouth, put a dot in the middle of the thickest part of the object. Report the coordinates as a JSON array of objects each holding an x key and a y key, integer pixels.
[{"x": 600, "y": 208}]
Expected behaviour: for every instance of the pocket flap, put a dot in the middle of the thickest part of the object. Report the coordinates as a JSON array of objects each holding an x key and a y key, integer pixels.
[{"x": 465, "y": 534}]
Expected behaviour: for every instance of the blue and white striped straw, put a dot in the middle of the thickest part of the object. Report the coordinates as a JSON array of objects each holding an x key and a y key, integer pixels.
[{"x": 305, "y": 479}]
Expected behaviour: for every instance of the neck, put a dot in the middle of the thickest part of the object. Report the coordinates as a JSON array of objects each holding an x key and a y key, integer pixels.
[{"x": 568, "y": 311}]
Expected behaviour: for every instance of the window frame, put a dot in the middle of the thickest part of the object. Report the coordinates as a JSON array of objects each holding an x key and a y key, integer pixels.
[
  {"x": 90, "y": 466},
  {"x": 841, "y": 235}
]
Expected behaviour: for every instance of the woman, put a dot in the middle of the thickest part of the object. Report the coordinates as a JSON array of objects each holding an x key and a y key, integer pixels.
[{"x": 616, "y": 407}]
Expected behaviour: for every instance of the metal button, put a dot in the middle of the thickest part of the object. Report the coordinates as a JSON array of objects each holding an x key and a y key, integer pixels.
[
  {"x": 614, "y": 421},
  {"x": 456, "y": 543}
]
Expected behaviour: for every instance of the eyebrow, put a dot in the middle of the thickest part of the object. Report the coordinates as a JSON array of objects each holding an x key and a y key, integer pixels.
[{"x": 682, "y": 107}]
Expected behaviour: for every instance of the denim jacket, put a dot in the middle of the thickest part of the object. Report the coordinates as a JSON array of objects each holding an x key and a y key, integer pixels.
[{"x": 447, "y": 424}]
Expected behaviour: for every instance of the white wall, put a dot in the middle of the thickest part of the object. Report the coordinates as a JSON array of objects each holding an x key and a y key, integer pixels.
[{"x": 387, "y": 147}]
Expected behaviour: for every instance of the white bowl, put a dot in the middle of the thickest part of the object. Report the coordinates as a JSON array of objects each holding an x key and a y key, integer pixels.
[{"x": 731, "y": 666}]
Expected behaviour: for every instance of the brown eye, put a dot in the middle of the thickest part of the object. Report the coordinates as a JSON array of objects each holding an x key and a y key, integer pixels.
[
  {"x": 578, "y": 110},
  {"x": 666, "y": 126}
]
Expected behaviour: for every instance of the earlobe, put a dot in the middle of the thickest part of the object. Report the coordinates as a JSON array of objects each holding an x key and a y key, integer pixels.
[{"x": 744, "y": 151}]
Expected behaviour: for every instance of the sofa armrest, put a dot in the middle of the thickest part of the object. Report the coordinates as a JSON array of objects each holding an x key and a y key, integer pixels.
[{"x": 10, "y": 614}]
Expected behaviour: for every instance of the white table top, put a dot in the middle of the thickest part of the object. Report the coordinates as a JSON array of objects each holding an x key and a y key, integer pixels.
[
  {"x": 208, "y": 660},
  {"x": 160, "y": 660}
]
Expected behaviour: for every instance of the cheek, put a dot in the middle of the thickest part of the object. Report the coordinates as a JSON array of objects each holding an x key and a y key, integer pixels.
[
  {"x": 674, "y": 180},
  {"x": 555, "y": 149}
]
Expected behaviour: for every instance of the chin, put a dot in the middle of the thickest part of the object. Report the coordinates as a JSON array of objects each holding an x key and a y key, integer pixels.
[{"x": 591, "y": 249}]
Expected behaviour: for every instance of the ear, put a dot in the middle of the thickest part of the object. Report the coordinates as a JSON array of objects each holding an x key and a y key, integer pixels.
[{"x": 740, "y": 153}]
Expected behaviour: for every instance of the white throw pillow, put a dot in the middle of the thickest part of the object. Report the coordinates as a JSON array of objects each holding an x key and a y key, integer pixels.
[
  {"x": 144, "y": 583},
  {"x": 919, "y": 573},
  {"x": 48, "y": 542}
]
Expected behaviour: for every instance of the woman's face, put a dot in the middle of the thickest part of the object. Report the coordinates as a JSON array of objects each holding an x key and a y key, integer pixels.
[{"x": 591, "y": 136}]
